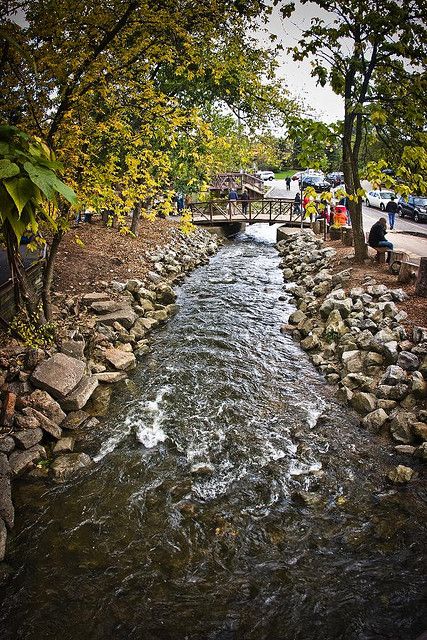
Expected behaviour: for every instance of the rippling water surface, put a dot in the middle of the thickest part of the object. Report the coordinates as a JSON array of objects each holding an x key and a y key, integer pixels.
[{"x": 294, "y": 536}]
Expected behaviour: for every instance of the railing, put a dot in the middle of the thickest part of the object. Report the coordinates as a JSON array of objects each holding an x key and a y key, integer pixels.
[
  {"x": 7, "y": 294},
  {"x": 236, "y": 180},
  {"x": 271, "y": 211}
]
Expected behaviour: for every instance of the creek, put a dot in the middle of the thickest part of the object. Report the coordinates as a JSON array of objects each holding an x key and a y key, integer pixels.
[{"x": 295, "y": 535}]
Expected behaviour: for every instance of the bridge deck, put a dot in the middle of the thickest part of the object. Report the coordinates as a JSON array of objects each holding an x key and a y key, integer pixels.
[{"x": 267, "y": 210}]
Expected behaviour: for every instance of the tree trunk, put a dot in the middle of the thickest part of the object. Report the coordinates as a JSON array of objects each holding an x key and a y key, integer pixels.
[
  {"x": 136, "y": 215},
  {"x": 24, "y": 292},
  {"x": 48, "y": 274},
  {"x": 421, "y": 282}
]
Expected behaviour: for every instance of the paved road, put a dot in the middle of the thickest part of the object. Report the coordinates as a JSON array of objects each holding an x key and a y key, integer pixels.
[{"x": 401, "y": 235}]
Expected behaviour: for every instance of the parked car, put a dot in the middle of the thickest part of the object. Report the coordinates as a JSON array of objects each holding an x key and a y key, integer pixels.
[
  {"x": 335, "y": 178},
  {"x": 318, "y": 183},
  {"x": 379, "y": 199},
  {"x": 265, "y": 175},
  {"x": 415, "y": 207}
]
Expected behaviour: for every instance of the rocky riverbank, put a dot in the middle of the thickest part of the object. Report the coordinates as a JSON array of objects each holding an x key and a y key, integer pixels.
[
  {"x": 356, "y": 337},
  {"x": 45, "y": 394}
]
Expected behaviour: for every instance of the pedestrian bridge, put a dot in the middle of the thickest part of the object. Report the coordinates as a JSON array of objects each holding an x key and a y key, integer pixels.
[{"x": 266, "y": 210}]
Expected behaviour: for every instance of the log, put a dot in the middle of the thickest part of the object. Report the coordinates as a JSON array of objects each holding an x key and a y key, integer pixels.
[
  {"x": 421, "y": 282},
  {"x": 407, "y": 272}
]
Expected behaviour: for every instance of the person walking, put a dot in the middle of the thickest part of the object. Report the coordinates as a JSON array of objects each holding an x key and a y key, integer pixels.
[
  {"x": 297, "y": 203},
  {"x": 391, "y": 209},
  {"x": 288, "y": 183},
  {"x": 232, "y": 199},
  {"x": 377, "y": 237}
]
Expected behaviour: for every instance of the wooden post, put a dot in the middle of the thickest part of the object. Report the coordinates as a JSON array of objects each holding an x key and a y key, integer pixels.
[{"x": 421, "y": 282}]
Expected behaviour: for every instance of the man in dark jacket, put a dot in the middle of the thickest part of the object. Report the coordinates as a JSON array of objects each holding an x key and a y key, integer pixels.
[
  {"x": 391, "y": 209},
  {"x": 377, "y": 236}
]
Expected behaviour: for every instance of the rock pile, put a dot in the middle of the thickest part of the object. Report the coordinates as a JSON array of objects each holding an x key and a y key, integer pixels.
[
  {"x": 356, "y": 338},
  {"x": 43, "y": 394}
]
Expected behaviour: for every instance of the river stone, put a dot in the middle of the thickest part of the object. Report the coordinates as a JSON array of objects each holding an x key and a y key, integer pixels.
[
  {"x": 172, "y": 309},
  {"x": 395, "y": 392},
  {"x": 296, "y": 317},
  {"x": 78, "y": 398},
  {"x": 134, "y": 285},
  {"x": 400, "y": 427},
  {"x": 121, "y": 360},
  {"x": 44, "y": 422},
  {"x": 401, "y": 474},
  {"x": 419, "y": 385},
  {"x": 7, "y": 512},
  {"x": 202, "y": 469},
  {"x": 21, "y": 460},
  {"x": 59, "y": 375},
  {"x": 421, "y": 451},
  {"x": 352, "y": 361},
  {"x": 310, "y": 343},
  {"x": 3, "y": 538},
  {"x": 103, "y": 307},
  {"x": 357, "y": 381},
  {"x": 75, "y": 419},
  {"x": 393, "y": 375},
  {"x": 110, "y": 377},
  {"x": 64, "y": 445},
  {"x": 126, "y": 316},
  {"x": 7, "y": 444},
  {"x": 66, "y": 465},
  {"x": 27, "y": 438},
  {"x": 160, "y": 315},
  {"x": 420, "y": 430},
  {"x": 375, "y": 420},
  {"x": 74, "y": 348},
  {"x": 44, "y": 403},
  {"x": 88, "y": 298},
  {"x": 387, "y": 405},
  {"x": 405, "y": 448},
  {"x": 165, "y": 294},
  {"x": 372, "y": 358},
  {"x": 408, "y": 361},
  {"x": 363, "y": 402}
]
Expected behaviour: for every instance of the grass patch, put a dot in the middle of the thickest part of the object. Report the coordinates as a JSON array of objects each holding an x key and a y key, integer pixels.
[{"x": 281, "y": 175}]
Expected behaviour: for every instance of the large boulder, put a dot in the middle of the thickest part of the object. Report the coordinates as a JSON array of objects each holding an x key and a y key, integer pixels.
[
  {"x": 27, "y": 438},
  {"x": 393, "y": 375},
  {"x": 44, "y": 422},
  {"x": 44, "y": 403},
  {"x": 81, "y": 394},
  {"x": 102, "y": 307},
  {"x": 375, "y": 420},
  {"x": 66, "y": 465},
  {"x": 21, "y": 460},
  {"x": 363, "y": 402},
  {"x": 165, "y": 294},
  {"x": 401, "y": 427},
  {"x": 352, "y": 361},
  {"x": 121, "y": 360},
  {"x": 59, "y": 375},
  {"x": 125, "y": 316}
]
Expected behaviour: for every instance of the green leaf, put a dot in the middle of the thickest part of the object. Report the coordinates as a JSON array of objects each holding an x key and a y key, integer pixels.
[
  {"x": 8, "y": 169},
  {"x": 17, "y": 225},
  {"x": 21, "y": 190},
  {"x": 65, "y": 191},
  {"x": 6, "y": 203},
  {"x": 44, "y": 178}
]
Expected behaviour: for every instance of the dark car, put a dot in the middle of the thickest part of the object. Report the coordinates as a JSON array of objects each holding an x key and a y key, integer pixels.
[
  {"x": 415, "y": 207},
  {"x": 318, "y": 183},
  {"x": 335, "y": 178}
]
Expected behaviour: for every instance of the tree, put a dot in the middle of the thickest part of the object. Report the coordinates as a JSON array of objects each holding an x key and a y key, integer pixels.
[{"x": 360, "y": 49}]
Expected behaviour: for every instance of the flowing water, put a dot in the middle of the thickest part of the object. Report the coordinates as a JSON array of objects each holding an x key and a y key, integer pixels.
[{"x": 295, "y": 535}]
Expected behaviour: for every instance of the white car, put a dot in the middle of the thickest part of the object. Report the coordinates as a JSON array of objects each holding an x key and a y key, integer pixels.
[
  {"x": 265, "y": 175},
  {"x": 379, "y": 199}
]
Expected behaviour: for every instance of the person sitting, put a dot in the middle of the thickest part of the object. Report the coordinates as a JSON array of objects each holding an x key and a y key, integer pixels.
[{"x": 377, "y": 237}]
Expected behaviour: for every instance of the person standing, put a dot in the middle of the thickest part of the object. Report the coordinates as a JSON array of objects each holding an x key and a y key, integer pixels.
[
  {"x": 377, "y": 236},
  {"x": 391, "y": 209},
  {"x": 297, "y": 203},
  {"x": 288, "y": 183},
  {"x": 232, "y": 199},
  {"x": 244, "y": 199}
]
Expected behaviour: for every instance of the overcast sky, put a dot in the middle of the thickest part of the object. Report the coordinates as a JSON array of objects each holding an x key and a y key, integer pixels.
[{"x": 325, "y": 103}]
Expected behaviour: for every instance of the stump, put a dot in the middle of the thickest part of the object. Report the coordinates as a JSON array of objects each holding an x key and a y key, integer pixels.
[
  {"x": 421, "y": 282},
  {"x": 407, "y": 272},
  {"x": 380, "y": 255},
  {"x": 396, "y": 259},
  {"x": 335, "y": 233},
  {"x": 347, "y": 236}
]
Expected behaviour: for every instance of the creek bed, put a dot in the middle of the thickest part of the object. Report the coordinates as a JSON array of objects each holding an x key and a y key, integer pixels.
[{"x": 289, "y": 533}]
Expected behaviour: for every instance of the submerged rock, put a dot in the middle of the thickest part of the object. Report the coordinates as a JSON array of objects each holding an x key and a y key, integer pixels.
[
  {"x": 202, "y": 469},
  {"x": 65, "y": 466}
]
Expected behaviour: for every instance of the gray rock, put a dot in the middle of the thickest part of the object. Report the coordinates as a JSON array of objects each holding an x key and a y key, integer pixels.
[
  {"x": 44, "y": 422},
  {"x": 420, "y": 430},
  {"x": 121, "y": 360},
  {"x": 27, "y": 438},
  {"x": 373, "y": 359},
  {"x": 81, "y": 394},
  {"x": 75, "y": 419},
  {"x": 3, "y": 538},
  {"x": 110, "y": 377},
  {"x": 126, "y": 316},
  {"x": 387, "y": 405},
  {"x": 66, "y": 465},
  {"x": 375, "y": 420},
  {"x": 408, "y": 361},
  {"x": 21, "y": 460},
  {"x": 393, "y": 375},
  {"x": 419, "y": 385},
  {"x": 364, "y": 402},
  {"x": 65, "y": 445},
  {"x": 353, "y": 361},
  {"x": 202, "y": 469},
  {"x": 59, "y": 375},
  {"x": 73, "y": 348},
  {"x": 7, "y": 444},
  {"x": 88, "y": 298},
  {"x": 405, "y": 448},
  {"x": 134, "y": 285},
  {"x": 421, "y": 451},
  {"x": 296, "y": 317},
  {"x": 357, "y": 381},
  {"x": 377, "y": 290},
  {"x": 310, "y": 343},
  {"x": 388, "y": 392},
  {"x": 400, "y": 427},
  {"x": 44, "y": 403},
  {"x": 103, "y": 307},
  {"x": 26, "y": 422},
  {"x": 165, "y": 294},
  {"x": 398, "y": 295},
  {"x": 401, "y": 474}
]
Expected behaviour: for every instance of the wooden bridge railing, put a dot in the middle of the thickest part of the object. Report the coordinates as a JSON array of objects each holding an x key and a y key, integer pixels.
[
  {"x": 225, "y": 181},
  {"x": 271, "y": 211}
]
